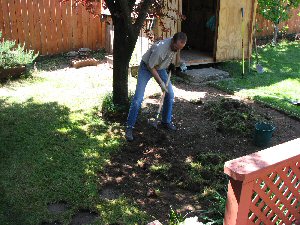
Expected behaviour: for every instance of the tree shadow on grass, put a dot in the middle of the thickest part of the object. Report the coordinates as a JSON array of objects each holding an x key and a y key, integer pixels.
[{"x": 45, "y": 157}]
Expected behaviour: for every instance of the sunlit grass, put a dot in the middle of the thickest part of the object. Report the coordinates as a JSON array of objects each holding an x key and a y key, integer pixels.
[
  {"x": 277, "y": 86},
  {"x": 53, "y": 144}
]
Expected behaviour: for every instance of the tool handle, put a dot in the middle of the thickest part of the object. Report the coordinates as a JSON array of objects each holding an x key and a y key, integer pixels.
[
  {"x": 169, "y": 78},
  {"x": 163, "y": 95},
  {"x": 256, "y": 50},
  {"x": 243, "y": 51}
]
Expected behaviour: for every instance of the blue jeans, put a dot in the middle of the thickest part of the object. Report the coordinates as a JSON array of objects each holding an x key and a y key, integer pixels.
[{"x": 144, "y": 76}]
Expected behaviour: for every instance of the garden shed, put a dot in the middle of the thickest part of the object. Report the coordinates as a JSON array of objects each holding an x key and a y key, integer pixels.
[{"x": 215, "y": 29}]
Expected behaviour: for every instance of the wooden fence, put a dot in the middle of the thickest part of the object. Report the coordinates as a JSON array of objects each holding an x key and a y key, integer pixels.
[
  {"x": 61, "y": 29},
  {"x": 264, "y": 187},
  {"x": 49, "y": 26},
  {"x": 266, "y": 28}
]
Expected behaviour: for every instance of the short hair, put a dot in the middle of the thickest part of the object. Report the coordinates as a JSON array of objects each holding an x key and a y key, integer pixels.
[{"x": 180, "y": 36}]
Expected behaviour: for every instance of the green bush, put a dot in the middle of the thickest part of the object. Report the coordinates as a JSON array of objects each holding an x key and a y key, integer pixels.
[
  {"x": 12, "y": 55},
  {"x": 114, "y": 112}
]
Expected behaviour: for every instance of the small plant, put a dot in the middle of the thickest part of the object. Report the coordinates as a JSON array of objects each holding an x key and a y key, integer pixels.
[
  {"x": 111, "y": 111},
  {"x": 175, "y": 218},
  {"x": 160, "y": 169},
  {"x": 215, "y": 213},
  {"x": 13, "y": 56}
]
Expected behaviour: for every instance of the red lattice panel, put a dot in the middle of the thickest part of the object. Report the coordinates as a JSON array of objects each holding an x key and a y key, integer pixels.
[{"x": 276, "y": 196}]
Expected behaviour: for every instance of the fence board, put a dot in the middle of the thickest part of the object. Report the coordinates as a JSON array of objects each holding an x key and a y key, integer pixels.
[
  {"x": 90, "y": 33},
  {"x": 79, "y": 25},
  {"x": 1, "y": 21},
  {"x": 99, "y": 29},
  {"x": 30, "y": 21},
  {"x": 25, "y": 23},
  {"x": 103, "y": 29},
  {"x": 95, "y": 29},
  {"x": 74, "y": 27},
  {"x": 13, "y": 20},
  {"x": 43, "y": 27},
  {"x": 50, "y": 30},
  {"x": 51, "y": 20},
  {"x": 19, "y": 21},
  {"x": 68, "y": 22},
  {"x": 37, "y": 26},
  {"x": 64, "y": 24},
  {"x": 7, "y": 20},
  {"x": 85, "y": 24},
  {"x": 58, "y": 24}
]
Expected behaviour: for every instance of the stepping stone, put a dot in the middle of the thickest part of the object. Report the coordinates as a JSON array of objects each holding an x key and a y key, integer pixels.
[
  {"x": 52, "y": 223},
  {"x": 197, "y": 76},
  {"x": 108, "y": 194},
  {"x": 58, "y": 207},
  {"x": 84, "y": 217}
]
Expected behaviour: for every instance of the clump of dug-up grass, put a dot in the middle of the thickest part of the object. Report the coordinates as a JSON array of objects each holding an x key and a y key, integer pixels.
[{"x": 233, "y": 116}]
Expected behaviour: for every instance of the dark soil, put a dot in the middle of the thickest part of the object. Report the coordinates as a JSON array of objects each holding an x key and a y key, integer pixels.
[{"x": 197, "y": 138}]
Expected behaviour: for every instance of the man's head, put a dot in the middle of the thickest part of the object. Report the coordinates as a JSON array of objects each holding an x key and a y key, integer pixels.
[{"x": 178, "y": 41}]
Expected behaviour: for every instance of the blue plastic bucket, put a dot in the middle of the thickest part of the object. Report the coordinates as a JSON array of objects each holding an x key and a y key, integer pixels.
[{"x": 263, "y": 133}]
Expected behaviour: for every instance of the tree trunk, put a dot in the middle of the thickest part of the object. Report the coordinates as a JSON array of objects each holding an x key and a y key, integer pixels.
[
  {"x": 275, "y": 34},
  {"x": 123, "y": 47},
  {"x": 120, "y": 65}
]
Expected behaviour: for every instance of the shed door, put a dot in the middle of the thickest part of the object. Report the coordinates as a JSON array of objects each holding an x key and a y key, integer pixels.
[{"x": 229, "y": 39}]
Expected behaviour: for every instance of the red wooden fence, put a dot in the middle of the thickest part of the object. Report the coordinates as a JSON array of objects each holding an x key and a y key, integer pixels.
[
  {"x": 266, "y": 28},
  {"x": 264, "y": 187},
  {"x": 49, "y": 26}
]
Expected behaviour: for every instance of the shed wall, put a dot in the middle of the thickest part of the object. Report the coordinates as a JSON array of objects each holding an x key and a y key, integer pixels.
[{"x": 229, "y": 41}]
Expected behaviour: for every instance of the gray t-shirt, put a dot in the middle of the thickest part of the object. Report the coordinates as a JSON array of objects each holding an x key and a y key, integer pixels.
[{"x": 159, "y": 55}]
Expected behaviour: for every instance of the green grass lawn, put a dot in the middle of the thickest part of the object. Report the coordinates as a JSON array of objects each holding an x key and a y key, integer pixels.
[
  {"x": 52, "y": 145},
  {"x": 277, "y": 86}
]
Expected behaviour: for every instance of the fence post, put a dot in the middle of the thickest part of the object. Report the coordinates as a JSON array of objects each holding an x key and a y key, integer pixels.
[{"x": 238, "y": 201}]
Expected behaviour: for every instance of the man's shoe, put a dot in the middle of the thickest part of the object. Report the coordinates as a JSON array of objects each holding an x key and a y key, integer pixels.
[
  {"x": 128, "y": 134},
  {"x": 169, "y": 126}
]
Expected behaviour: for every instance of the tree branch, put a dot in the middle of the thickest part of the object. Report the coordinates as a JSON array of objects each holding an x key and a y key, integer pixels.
[{"x": 142, "y": 15}]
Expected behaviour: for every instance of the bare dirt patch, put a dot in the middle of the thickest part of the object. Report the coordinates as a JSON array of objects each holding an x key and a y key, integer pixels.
[{"x": 153, "y": 169}]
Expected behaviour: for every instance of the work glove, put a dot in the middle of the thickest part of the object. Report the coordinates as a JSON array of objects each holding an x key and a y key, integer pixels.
[
  {"x": 183, "y": 67},
  {"x": 163, "y": 87},
  {"x": 171, "y": 68}
]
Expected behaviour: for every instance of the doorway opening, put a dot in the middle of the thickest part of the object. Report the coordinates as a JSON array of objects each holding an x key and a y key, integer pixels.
[{"x": 201, "y": 29}]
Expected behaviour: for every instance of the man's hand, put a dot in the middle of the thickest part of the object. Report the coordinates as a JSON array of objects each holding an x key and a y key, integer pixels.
[
  {"x": 163, "y": 87},
  {"x": 183, "y": 67}
]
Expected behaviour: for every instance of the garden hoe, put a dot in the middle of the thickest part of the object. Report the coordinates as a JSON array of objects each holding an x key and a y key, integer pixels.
[{"x": 154, "y": 121}]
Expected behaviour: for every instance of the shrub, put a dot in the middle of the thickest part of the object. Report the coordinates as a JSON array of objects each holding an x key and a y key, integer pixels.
[
  {"x": 114, "y": 112},
  {"x": 12, "y": 55}
]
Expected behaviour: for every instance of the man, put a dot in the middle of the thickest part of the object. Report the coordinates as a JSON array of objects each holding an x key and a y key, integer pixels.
[{"x": 154, "y": 64}]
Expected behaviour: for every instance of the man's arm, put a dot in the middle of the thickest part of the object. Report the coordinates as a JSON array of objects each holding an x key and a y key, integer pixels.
[{"x": 156, "y": 76}]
